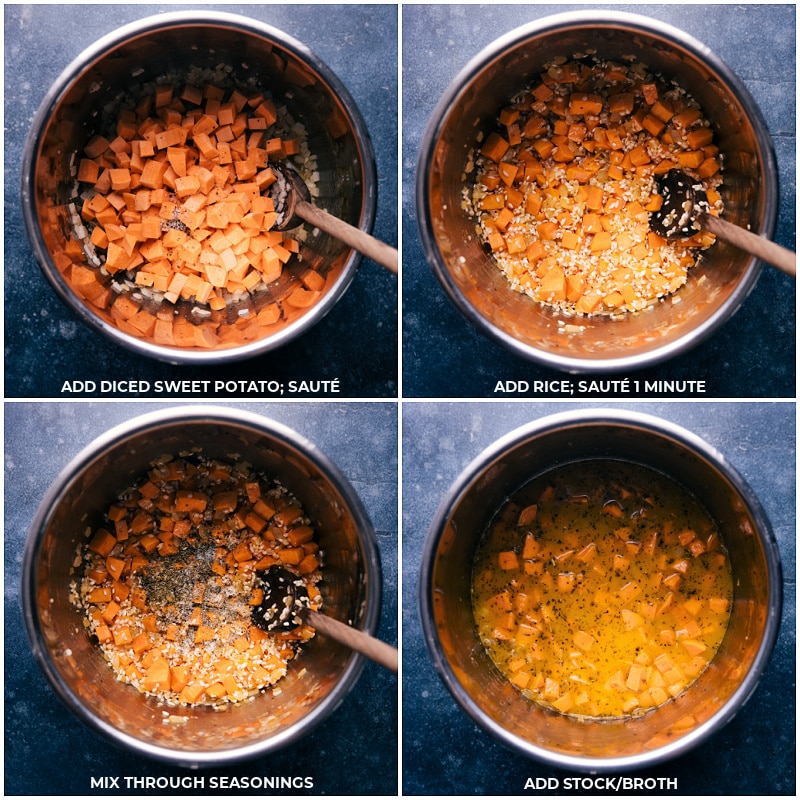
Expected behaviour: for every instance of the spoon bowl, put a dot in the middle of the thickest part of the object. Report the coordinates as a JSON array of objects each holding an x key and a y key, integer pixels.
[
  {"x": 685, "y": 211},
  {"x": 285, "y": 605},
  {"x": 293, "y": 205},
  {"x": 682, "y": 201}
]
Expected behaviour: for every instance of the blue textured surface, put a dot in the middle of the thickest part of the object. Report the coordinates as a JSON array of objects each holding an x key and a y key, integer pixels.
[
  {"x": 444, "y": 752},
  {"x": 45, "y": 344},
  {"x": 49, "y": 751},
  {"x": 355, "y": 751},
  {"x": 752, "y": 355}
]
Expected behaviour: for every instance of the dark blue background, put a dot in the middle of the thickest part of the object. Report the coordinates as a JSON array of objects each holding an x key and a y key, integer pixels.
[
  {"x": 444, "y": 752},
  {"x": 45, "y": 344},
  {"x": 48, "y": 751},
  {"x": 752, "y": 355},
  {"x": 354, "y": 752}
]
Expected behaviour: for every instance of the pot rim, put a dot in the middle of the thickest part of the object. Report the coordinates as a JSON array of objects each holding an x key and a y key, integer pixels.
[
  {"x": 197, "y": 415},
  {"x": 594, "y": 20},
  {"x": 591, "y": 418},
  {"x": 103, "y": 47}
]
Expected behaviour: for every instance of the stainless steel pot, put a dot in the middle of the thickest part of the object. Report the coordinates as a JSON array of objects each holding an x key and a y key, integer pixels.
[
  {"x": 470, "y": 675},
  {"x": 172, "y": 44},
  {"x": 317, "y": 680},
  {"x": 717, "y": 285}
]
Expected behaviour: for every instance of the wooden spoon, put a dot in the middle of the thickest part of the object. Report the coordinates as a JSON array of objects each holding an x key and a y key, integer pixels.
[
  {"x": 685, "y": 211},
  {"x": 285, "y": 606},
  {"x": 293, "y": 202}
]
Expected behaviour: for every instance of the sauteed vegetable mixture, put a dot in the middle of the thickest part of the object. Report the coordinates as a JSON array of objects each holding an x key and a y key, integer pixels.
[
  {"x": 563, "y": 185},
  {"x": 168, "y": 581}
]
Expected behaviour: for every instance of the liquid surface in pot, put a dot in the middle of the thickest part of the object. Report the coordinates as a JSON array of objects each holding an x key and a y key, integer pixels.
[{"x": 601, "y": 589}]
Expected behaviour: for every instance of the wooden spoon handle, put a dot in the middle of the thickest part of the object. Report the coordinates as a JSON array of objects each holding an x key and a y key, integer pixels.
[
  {"x": 380, "y": 252},
  {"x": 758, "y": 246},
  {"x": 357, "y": 640}
]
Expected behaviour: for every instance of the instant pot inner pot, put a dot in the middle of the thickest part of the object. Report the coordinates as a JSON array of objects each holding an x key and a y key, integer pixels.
[
  {"x": 86, "y": 679},
  {"x": 481, "y": 684},
  {"x": 471, "y": 270},
  {"x": 92, "y": 100}
]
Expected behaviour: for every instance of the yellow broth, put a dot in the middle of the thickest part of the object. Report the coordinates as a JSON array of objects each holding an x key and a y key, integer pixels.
[{"x": 601, "y": 589}]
